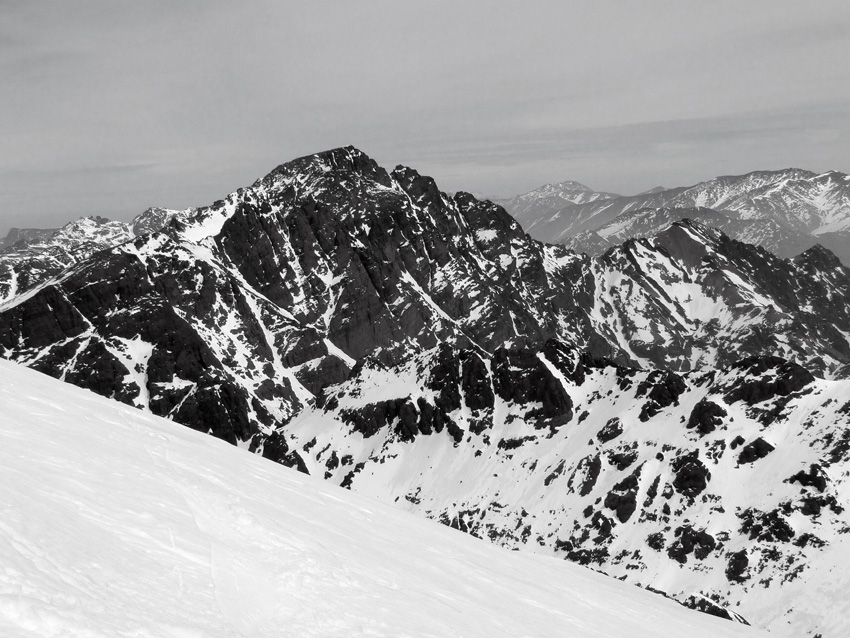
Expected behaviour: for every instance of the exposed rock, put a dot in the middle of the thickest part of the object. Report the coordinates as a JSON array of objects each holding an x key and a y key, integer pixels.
[
  {"x": 755, "y": 450},
  {"x": 662, "y": 389},
  {"x": 814, "y": 477},
  {"x": 691, "y": 475},
  {"x": 705, "y": 417}
]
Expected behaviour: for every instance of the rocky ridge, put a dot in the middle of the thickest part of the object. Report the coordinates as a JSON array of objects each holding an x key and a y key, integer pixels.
[
  {"x": 786, "y": 212},
  {"x": 725, "y": 489},
  {"x": 32, "y": 256}
]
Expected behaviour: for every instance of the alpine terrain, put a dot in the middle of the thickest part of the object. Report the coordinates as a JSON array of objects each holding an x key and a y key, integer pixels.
[
  {"x": 672, "y": 412},
  {"x": 117, "y": 523},
  {"x": 30, "y": 256},
  {"x": 785, "y": 211}
]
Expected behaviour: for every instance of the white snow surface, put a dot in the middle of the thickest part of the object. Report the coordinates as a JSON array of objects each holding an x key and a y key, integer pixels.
[{"x": 117, "y": 523}]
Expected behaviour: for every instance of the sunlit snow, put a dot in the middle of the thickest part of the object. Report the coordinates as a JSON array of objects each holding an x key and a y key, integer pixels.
[{"x": 118, "y": 523}]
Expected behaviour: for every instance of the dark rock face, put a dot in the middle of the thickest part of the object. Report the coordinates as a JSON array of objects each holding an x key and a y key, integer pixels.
[
  {"x": 692, "y": 475},
  {"x": 520, "y": 376},
  {"x": 245, "y": 311},
  {"x": 661, "y": 389},
  {"x": 586, "y": 473},
  {"x": 755, "y": 450},
  {"x": 766, "y": 526},
  {"x": 29, "y": 257},
  {"x": 705, "y": 417},
  {"x": 736, "y": 568},
  {"x": 623, "y": 497},
  {"x": 814, "y": 477},
  {"x": 784, "y": 378},
  {"x": 460, "y": 379},
  {"x": 613, "y": 428},
  {"x": 690, "y": 541},
  {"x": 700, "y": 603}
]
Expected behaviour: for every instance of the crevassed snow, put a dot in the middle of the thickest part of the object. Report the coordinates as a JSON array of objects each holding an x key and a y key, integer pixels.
[{"x": 117, "y": 523}]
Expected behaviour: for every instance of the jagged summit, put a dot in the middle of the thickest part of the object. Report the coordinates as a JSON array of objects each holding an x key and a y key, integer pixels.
[
  {"x": 341, "y": 160},
  {"x": 787, "y": 211}
]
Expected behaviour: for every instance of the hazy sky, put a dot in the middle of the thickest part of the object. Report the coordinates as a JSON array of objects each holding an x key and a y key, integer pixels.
[{"x": 110, "y": 106}]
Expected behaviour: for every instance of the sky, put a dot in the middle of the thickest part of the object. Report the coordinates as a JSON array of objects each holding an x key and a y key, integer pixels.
[{"x": 108, "y": 107}]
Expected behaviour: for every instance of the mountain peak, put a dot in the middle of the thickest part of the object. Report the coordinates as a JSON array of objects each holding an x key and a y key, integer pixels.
[
  {"x": 344, "y": 159},
  {"x": 819, "y": 258}
]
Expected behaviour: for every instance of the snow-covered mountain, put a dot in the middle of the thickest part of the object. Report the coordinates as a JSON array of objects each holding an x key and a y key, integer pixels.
[
  {"x": 240, "y": 314},
  {"x": 22, "y": 236},
  {"x": 646, "y": 222},
  {"x": 725, "y": 489},
  {"x": 785, "y": 211},
  {"x": 529, "y": 207},
  {"x": 334, "y": 314},
  {"x": 31, "y": 256},
  {"x": 118, "y": 523}
]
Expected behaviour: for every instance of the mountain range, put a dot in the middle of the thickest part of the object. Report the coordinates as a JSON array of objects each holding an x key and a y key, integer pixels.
[
  {"x": 785, "y": 211},
  {"x": 30, "y": 256},
  {"x": 670, "y": 412}
]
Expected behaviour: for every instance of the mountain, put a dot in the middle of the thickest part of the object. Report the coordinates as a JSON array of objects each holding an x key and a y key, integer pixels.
[
  {"x": 785, "y": 211},
  {"x": 119, "y": 523},
  {"x": 528, "y": 208},
  {"x": 22, "y": 236},
  {"x": 363, "y": 325},
  {"x": 646, "y": 222},
  {"x": 30, "y": 257},
  {"x": 726, "y": 489}
]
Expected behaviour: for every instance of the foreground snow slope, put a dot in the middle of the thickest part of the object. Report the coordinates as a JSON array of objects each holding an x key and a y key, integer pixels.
[{"x": 118, "y": 523}]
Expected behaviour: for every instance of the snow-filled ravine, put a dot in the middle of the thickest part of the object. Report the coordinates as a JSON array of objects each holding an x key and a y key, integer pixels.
[{"x": 119, "y": 523}]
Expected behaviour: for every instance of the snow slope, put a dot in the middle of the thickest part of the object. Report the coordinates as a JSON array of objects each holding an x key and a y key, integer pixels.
[{"x": 118, "y": 523}]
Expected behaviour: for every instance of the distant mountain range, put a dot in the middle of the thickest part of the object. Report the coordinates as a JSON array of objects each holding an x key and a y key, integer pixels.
[
  {"x": 30, "y": 256},
  {"x": 671, "y": 412},
  {"x": 785, "y": 211}
]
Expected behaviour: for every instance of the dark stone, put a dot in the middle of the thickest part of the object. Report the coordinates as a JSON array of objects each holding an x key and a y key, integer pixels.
[
  {"x": 475, "y": 381},
  {"x": 785, "y": 378},
  {"x": 623, "y": 497},
  {"x": 814, "y": 477},
  {"x": 445, "y": 379},
  {"x": 736, "y": 567},
  {"x": 519, "y": 376},
  {"x": 688, "y": 540},
  {"x": 706, "y": 606},
  {"x": 662, "y": 389},
  {"x": 588, "y": 469},
  {"x": 655, "y": 541},
  {"x": 651, "y": 492},
  {"x": 611, "y": 430},
  {"x": 691, "y": 475},
  {"x": 755, "y": 450},
  {"x": 621, "y": 459},
  {"x": 555, "y": 474},
  {"x": 705, "y": 417},
  {"x": 765, "y": 526}
]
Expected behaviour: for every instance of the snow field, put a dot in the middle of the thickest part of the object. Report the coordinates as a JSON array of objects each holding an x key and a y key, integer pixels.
[{"x": 118, "y": 523}]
